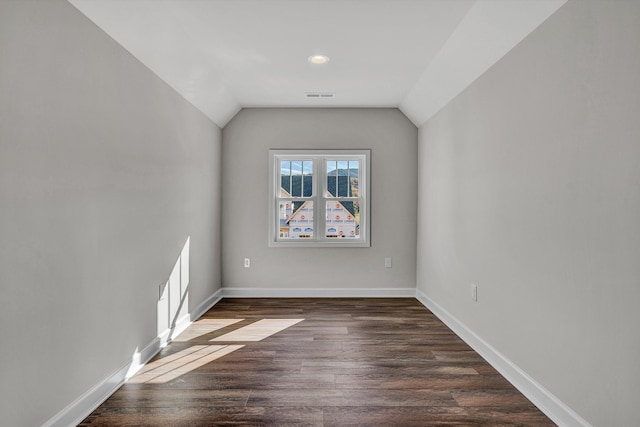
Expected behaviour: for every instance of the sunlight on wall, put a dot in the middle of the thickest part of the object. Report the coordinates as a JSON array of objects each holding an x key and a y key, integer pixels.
[
  {"x": 173, "y": 318},
  {"x": 173, "y": 301},
  {"x": 135, "y": 364}
]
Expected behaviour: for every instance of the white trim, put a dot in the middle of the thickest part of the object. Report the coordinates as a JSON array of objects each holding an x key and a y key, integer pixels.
[
  {"x": 233, "y": 292},
  {"x": 169, "y": 334},
  {"x": 206, "y": 305},
  {"x": 139, "y": 359},
  {"x": 86, "y": 403},
  {"x": 546, "y": 401},
  {"x": 179, "y": 327},
  {"x": 319, "y": 199},
  {"x": 185, "y": 321}
]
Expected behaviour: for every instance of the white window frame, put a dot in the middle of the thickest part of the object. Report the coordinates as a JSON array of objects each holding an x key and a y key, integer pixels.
[{"x": 319, "y": 158}]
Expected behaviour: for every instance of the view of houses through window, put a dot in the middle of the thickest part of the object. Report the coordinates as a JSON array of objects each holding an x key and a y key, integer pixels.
[
  {"x": 296, "y": 208},
  {"x": 324, "y": 185},
  {"x": 342, "y": 216}
]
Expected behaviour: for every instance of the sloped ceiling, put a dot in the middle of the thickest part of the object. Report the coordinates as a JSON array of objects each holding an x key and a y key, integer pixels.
[{"x": 223, "y": 55}]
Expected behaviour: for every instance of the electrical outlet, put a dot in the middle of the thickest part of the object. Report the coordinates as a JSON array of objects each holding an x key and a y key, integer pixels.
[
  {"x": 247, "y": 263},
  {"x": 474, "y": 292},
  {"x": 387, "y": 263}
]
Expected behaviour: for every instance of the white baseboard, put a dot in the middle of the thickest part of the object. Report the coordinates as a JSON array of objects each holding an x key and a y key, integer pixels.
[
  {"x": 84, "y": 405},
  {"x": 319, "y": 293},
  {"x": 169, "y": 334},
  {"x": 185, "y": 321},
  {"x": 548, "y": 403},
  {"x": 206, "y": 305}
]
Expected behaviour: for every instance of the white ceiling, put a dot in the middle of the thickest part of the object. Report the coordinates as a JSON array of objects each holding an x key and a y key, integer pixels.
[{"x": 223, "y": 55}]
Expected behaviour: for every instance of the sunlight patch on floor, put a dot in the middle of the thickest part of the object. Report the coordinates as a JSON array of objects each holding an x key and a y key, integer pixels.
[
  {"x": 171, "y": 367},
  {"x": 259, "y": 330},
  {"x": 174, "y": 365},
  {"x": 203, "y": 327}
]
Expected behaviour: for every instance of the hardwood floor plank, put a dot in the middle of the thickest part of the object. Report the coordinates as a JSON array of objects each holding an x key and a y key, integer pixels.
[
  {"x": 493, "y": 398},
  {"x": 209, "y": 417},
  {"x": 351, "y": 397},
  {"x": 398, "y": 416},
  {"x": 395, "y": 381},
  {"x": 349, "y": 362},
  {"x": 167, "y": 398}
]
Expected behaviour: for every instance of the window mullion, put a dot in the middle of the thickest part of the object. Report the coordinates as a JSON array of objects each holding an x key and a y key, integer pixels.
[
  {"x": 319, "y": 217},
  {"x": 349, "y": 183}
]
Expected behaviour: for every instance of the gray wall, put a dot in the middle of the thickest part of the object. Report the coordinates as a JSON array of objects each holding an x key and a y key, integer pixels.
[
  {"x": 104, "y": 173},
  {"x": 393, "y": 143},
  {"x": 529, "y": 186}
]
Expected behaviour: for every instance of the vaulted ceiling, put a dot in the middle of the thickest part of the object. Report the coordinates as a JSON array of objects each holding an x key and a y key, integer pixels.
[{"x": 223, "y": 55}]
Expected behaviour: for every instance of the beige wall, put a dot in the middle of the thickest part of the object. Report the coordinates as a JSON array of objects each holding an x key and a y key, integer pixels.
[
  {"x": 393, "y": 143},
  {"x": 104, "y": 174},
  {"x": 529, "y": 188}
]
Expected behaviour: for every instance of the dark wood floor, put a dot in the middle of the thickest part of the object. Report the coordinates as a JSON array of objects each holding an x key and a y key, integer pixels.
[{"x": 368, "y": 362}]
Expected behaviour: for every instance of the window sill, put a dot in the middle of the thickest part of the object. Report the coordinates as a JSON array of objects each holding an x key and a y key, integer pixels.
[{"x": 317, "y": 244}]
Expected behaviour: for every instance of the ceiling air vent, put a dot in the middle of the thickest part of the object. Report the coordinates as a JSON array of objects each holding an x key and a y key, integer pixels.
[{"x": 319, "y": 95}]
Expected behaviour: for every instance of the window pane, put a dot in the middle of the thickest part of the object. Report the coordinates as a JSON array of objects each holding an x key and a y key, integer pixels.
[
  {"x": 296, "y": 219},
  {"x": 343, "y": 178},
  {"x": 343, "y": 219},
  {"x": 296, "y": 178}
]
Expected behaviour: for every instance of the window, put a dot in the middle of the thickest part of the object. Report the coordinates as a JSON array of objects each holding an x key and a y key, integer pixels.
[{"x": 319, "y": 198}]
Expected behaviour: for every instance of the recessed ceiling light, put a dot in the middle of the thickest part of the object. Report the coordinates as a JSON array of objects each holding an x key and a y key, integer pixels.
[{"x": 318, "y": 59}]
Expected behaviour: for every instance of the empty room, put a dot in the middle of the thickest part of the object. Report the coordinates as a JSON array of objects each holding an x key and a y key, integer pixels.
[{"x": 319, "y": 212}]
